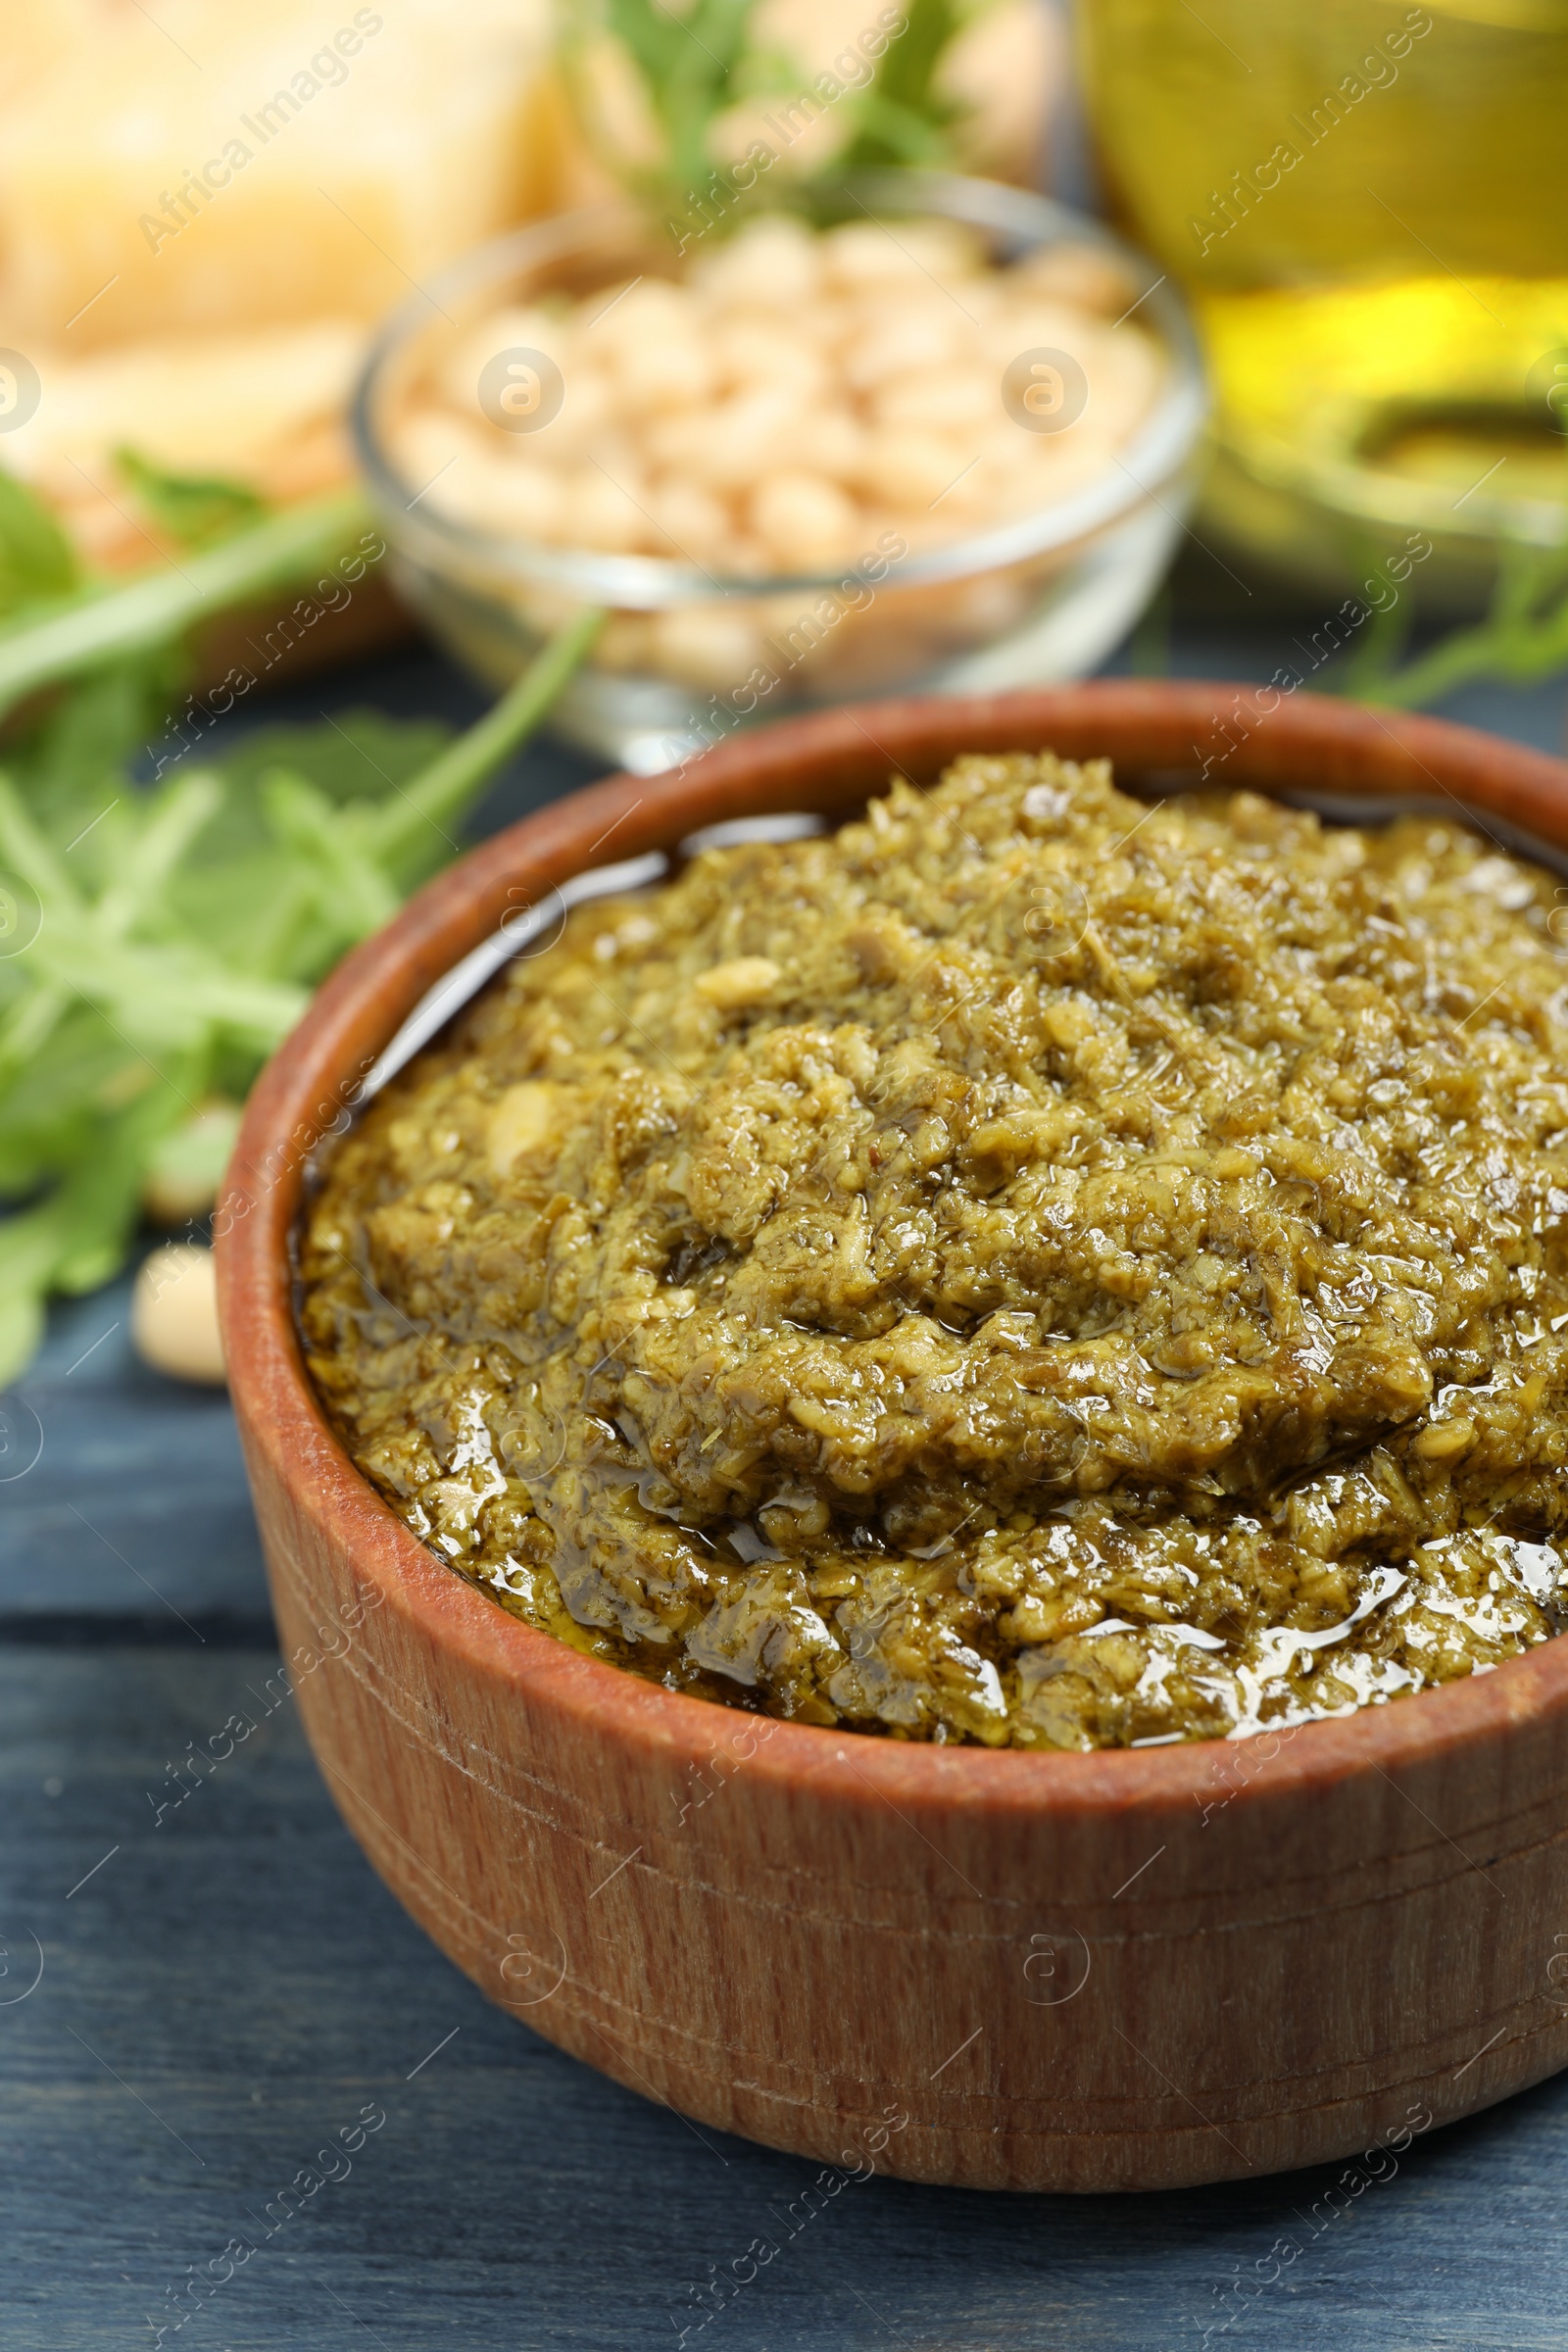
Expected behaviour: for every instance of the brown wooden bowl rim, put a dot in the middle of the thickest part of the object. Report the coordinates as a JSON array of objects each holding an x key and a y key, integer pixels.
[{"x": 821, "y": 760}]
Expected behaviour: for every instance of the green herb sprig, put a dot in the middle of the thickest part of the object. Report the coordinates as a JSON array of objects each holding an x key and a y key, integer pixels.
[
  {"x": 1522, "y": 639},
  {"x": 694, "y": 65},
  {"x": 156, "y": 944}
]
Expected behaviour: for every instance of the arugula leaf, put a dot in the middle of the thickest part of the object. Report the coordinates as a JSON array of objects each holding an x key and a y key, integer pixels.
[
  {"x": 56, "y": 1098},
  {"x": 76, "y": 1237},
  {"x": 695, "y": 64},
  {"x": 1522, "y": 639},
  {"x": 352, "y": 885},
  {"x": 904, "y": 117},
  {"x": 354, "y": 756},
  {"x": 192, "y": 508},
  {"x": 100, "y": 623},
  {"x": 38, "y": 562},
  {"x": 180, "y": 930},
  {"x": 690, "y": 64}
]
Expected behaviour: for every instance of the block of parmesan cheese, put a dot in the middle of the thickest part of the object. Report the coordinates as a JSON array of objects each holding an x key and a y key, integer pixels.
[
  {"x": 203, "y": 205},
  {"x": 227, "y": 166},
  {"x": 263, "y": 408}
]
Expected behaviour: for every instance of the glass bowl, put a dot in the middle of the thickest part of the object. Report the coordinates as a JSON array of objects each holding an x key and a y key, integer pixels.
[{"x": 686, "y": 657}]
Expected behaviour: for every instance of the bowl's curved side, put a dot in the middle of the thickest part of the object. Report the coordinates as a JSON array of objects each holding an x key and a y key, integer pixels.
[{"x": 1128, "y": 1970}]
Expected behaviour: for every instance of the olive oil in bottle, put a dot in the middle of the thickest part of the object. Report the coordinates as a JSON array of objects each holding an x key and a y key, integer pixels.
[{"x": 1369, "y": 206}]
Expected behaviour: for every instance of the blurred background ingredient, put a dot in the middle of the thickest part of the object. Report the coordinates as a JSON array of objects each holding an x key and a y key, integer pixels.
[
  {"x": 206, "y": 211},
  {"x": 201, "y": 215},
  {"x": 944, "y": 444},
  {"x": 174, "y": 1315},
  {"x": 157, "y": 940},
  {"x": 662, "y": 99},
  {"x": 1370, "y": 207},
  {"x": 203, "y": 209}
]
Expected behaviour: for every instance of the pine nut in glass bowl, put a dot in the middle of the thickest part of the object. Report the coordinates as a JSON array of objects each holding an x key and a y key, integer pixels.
[{"x": 945, "y": 444}]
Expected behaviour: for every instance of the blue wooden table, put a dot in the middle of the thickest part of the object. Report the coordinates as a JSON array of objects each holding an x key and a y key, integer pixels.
[{"x": 246, "y": 2103}]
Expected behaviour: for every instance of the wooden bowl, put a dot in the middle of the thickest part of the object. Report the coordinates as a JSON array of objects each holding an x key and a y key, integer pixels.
[{"x": 1124, "y": 1970}]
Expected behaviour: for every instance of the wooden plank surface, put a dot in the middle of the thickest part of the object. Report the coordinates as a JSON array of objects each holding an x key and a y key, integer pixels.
[
  {"x": 226, "y": 1988},
  {"x": 232, "y": 1987}
]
